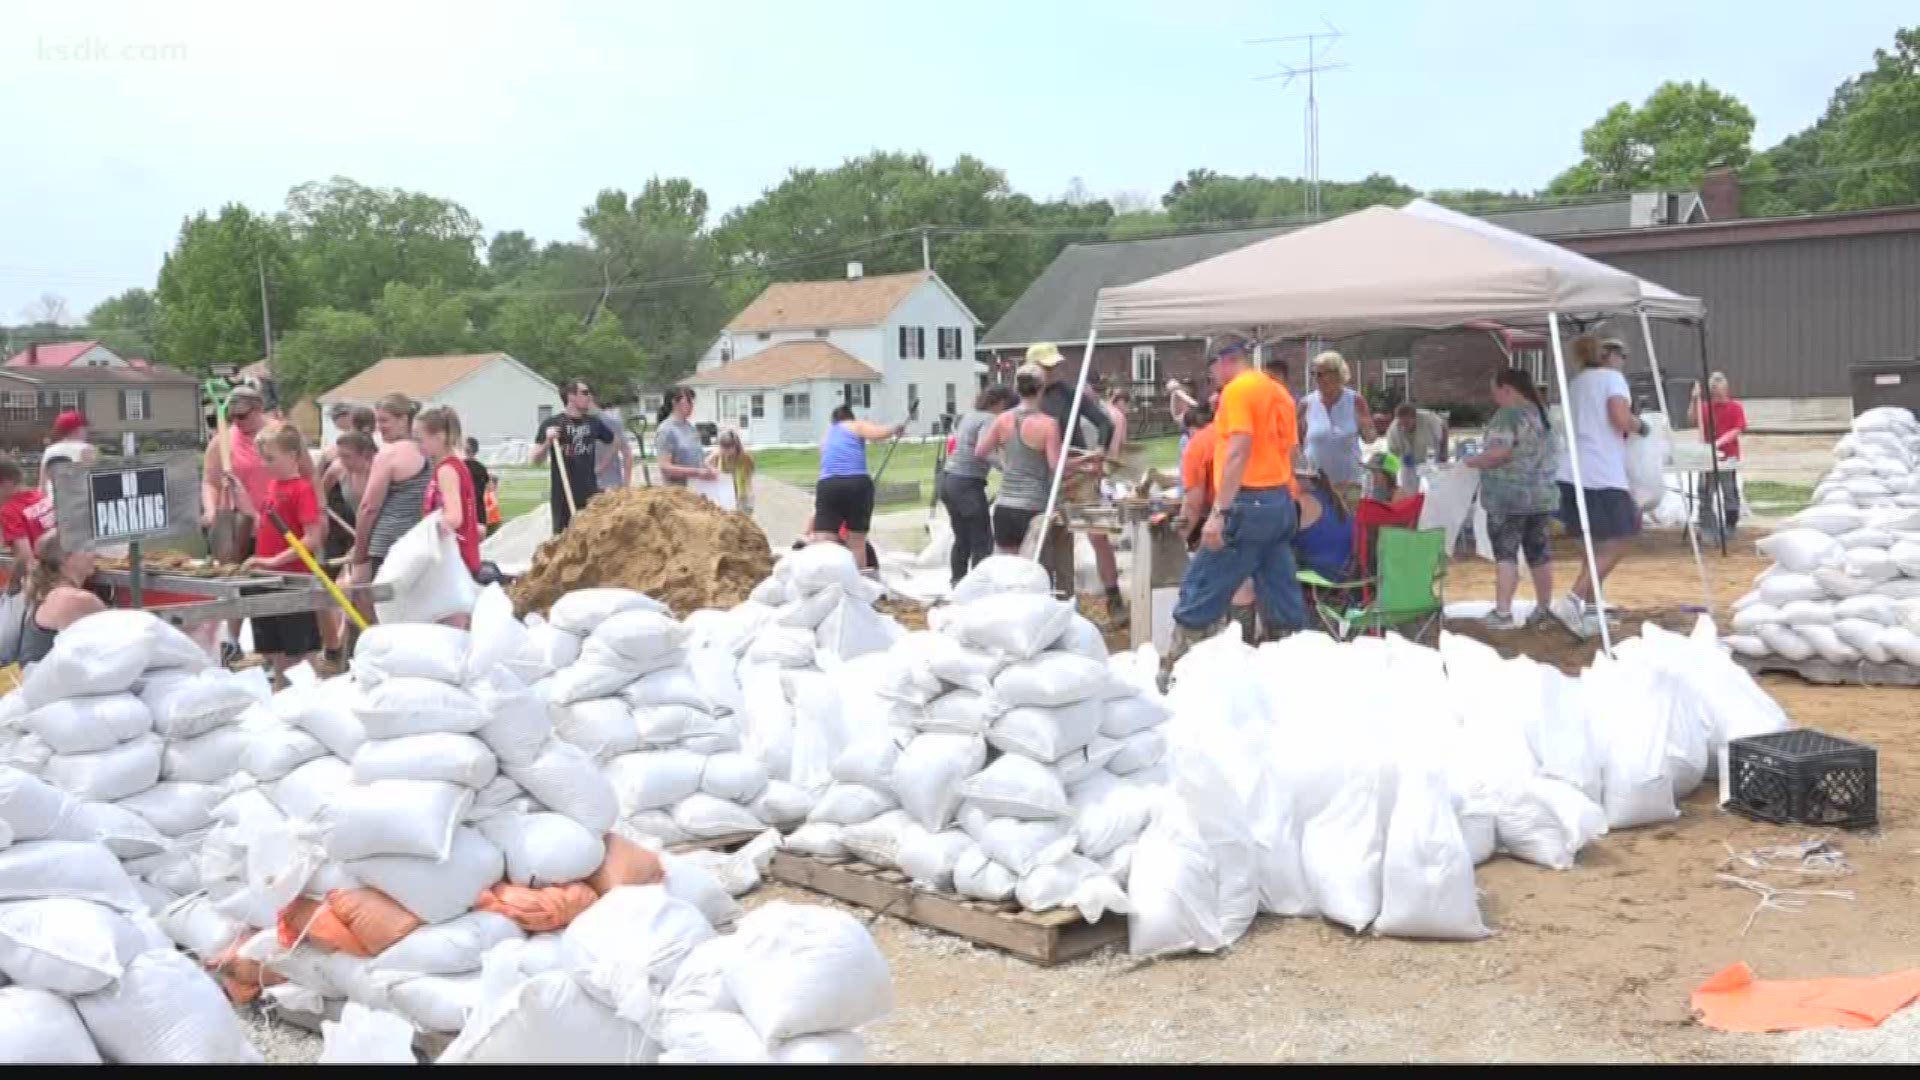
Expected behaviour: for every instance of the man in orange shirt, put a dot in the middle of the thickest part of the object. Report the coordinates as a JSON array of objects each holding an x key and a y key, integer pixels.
[{"x": 1249, "y": 530}]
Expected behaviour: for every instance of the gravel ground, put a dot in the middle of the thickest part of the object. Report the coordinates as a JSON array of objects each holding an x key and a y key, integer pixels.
[
  {"x": 1896, "y": 1041},
  {"x": 280, "y": 1044}
]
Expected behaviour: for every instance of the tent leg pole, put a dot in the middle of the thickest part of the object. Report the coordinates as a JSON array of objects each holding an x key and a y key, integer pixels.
[
  {"x": 1710, "y": 433},
  {"x": 1579, "y": 488},
  {"x": 1066, "y": 444},
  {"x": 1660, "y": 394}
]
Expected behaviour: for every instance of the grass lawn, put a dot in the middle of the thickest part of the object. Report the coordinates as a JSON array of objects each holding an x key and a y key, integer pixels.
[{"x": 1778, "y": 499}]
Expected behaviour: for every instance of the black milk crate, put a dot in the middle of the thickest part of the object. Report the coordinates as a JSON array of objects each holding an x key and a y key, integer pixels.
[{"x": 1804, "y": 777}]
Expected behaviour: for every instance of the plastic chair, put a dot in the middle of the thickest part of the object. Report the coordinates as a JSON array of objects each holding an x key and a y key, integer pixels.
[{"x": 1408, "y": 588}]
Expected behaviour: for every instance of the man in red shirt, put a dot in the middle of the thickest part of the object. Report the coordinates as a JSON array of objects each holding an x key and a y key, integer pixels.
[
  {"x": 25, "y": 516},
  {"x": 1722, "y": 419},
  {"x": 285, "y": 640}
]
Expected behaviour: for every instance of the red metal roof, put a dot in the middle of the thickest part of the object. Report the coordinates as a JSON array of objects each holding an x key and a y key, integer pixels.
[{"x": 51, "y": 354}]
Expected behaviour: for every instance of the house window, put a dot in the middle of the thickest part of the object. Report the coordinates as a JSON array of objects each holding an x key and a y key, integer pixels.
[
  {"x": 726, "y": 350},
  {"x": 1533, "y": 362},
  {"x": 913, "y": 343},
  {"x": 913, "y": 398},
  {"x": 821, "y": 332},
  {"x": 953, "y": 399},
  {"x": 795, "y": 407},
  {"x": 765, "y": 335},
  {"x": 857, "y": 395},
  {"x": 759, "y": 406},
  {"x": 1397, "y": 379},
  {"x": 1146, "y": 366},
  {"x": 545, "y": 411},
  {"x": 70, "y": 400},
  {"x": 21, "y": 405},
  {"x": 136, "y": 404},
  {"x": 950, "y": 343}
]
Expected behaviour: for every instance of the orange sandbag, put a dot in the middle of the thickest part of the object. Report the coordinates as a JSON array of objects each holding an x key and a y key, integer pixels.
[
  {"x": 538, "y": 911},
  {"x": 1734, "y": 1000},
  {"x": 358, "y": 922},
  {"x": 242, "y": 979},
  {"x": 627, "y": 863}
]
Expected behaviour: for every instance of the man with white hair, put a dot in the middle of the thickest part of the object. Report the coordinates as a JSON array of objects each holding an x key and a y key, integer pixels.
[{"x": 1722, "y": 419}]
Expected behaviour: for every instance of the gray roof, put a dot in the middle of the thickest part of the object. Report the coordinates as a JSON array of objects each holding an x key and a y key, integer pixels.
[{"x": 1058, "y": 306}]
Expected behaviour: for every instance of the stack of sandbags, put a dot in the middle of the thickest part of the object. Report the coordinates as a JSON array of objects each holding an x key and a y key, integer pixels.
[
  {"x": 1845, "y": 584},
  {"x": 93, "y": 979},
  {"x": 819, "y": 590}
]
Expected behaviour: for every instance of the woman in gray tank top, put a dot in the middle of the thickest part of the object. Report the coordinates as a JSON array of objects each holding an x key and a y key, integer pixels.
[
  {"x": 396, "y": 495},
  {"x": 1026, "y": 469},
  {"x": 963, "y": 483},
  {"x": 56, "y": 598}
]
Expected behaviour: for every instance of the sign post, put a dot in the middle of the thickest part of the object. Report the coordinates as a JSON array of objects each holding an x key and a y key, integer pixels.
[{"x": 126, "y": 501}]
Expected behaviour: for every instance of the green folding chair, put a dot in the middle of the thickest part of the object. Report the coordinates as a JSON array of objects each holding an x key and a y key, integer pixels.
[{"x": 1408, "y": 588}]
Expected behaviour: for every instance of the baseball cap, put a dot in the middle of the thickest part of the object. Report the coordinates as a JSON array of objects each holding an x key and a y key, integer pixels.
[
  {"x": 1228, "y": 345},
  {"x": 67, "y": 423},
  {"x": 339, "y": 410},
  {"x": 1385, "y": 461},
  {"x": 1046, "y": 354}
]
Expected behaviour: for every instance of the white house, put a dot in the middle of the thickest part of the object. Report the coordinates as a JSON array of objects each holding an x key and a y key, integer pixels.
[
  {"x": 496, "y": 396},
  {"x": 888, "y": 345}
]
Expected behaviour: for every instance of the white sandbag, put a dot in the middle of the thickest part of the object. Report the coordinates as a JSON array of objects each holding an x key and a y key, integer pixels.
[
  {"x": 1837, "y": 581},
  {"x": 1001, "y": 573},
  {"x": 1800, "y": 550},
  {"x": 563, "y": 777},
  {"x": 409, "y": 706},
  {"x": 710, "y": 1038},
  {"x": 124, "y": 832},
  {"x": 43, "y": 1028},
  {"x": 603, "y": 726},
  {"x": 593, "y": 677},
  {"x": 827, "y": 1048},
  {"x": 929, "y": 857},
  {"x": 1829, "y": 519},
  {"x": 1798, "y": 613},
  {"x": 638, "y": 640},
  {"x": 734, "y": 776},
  {"x": 878, "y": 841},
  {"x": 707, "y": 817},
  {"x": 175, "y": 871},
  {"x": 83, "y": 725},
  {"x": 1108, "y": 813},
  {"x": 802, "y": 970},
  {"x": 771, "y": 592},
  {"x": 66, "y": 946},
  {"x": 957, "y": 712},
  {"x": 1782, "y": 588},
  {"x": 709, "y": 880},
  {"x": 439, "y": 1003},
  {"x": 851, "y": 630},
  {"x": 929, "y": 772},
  {"x": 1175, "y": 890},
  {"x": 978, "y": 877},
  {"x": 1050, "y": 679},
  {"x": 1016, "y": 844},
  {"x": 312, "y": 789},
  {"x": 436, "y": 891},
  {"x": 440, "y": 755},
  {"x": 1341, "y": 849},
  {"x": 1901, "y": 643},
  {"x": 205, "y": 759},
  {"x": 782, "y": 646},
  {"x": 165, "y": 1011},
  {"x": 1086, "y": 761},
  {"x": 364, "y": 1036},
  {"x": 950, "y": 661},
  {"x": 671, "y": 725},
  {"x": 1016, "y": 786},
  {"x": 1866, "y": 538},
  {"x": 454, "y": 947},
  {"x": 817, "y": 838},
  {"x": 1905, "y": 588},
  {"x": 1427, "y": 888},
  {"x": 518, "y": 722},
  {"x": 1083, "y": 637},
  {"x": 1874, "y": 564},
  {"x": 324, "y": 711},
  {"x": 1827, "y": 644},
  {"x": 818, "y": 567},
  {"x": 1047, "y": 734},
  {"x": 850, "y": 804},
  {"x": 583, "y": 610},
  {"x": 1074, "y": 881},
  {"x": 549, "y": 1018},
  {"x": 628, "y": 946},
  {"x": 1132, "y": 714},
  {"x": 411, "y": 650},
  {"x": 1638, "y": 790},
  {"x": 196, "y": 925},
  {"x": 653, "y": 779},
  {"x": 1871, "y": 607},
  {"x": 656, "y": 827},
  {"x": 545, "y": 650},
  {"x": 544, "y": 848},
  {"x": 129, "y": 768},
  {"x": 728, "y": 631},
  {"x": 1646, "y": 462},
  {"x": 1138, "y": 752},
  {"x": 673, "y": 686},
  {"x": 496, "y": 637},
  {"x": 1904, "y": 555},
  {"x": 1863, "y": 637},
  {"x": 1546, "y": 822},
  {"x": 1750, "y": 618},
  {"x": 1017, "y": 626},
  {"x": 274, "y": 750},
  {"x": 781, "y": 804},
  {"x": 397, "y": 817},
  {"x": 1748, "y": 645},
  {"x": 870, "y": 759},
  {"x": 30, "y": 807},
  {"x": 105, "y": 653},
  {"x": 1784, "y": 642},
  {"x": 430, "y": 580}
]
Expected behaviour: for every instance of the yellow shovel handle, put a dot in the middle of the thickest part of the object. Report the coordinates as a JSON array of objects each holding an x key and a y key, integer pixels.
[{"x": 320, "y": 572}]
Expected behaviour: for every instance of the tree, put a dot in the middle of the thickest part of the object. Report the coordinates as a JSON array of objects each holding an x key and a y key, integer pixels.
[
  {"x": 1881, "y": 125},
  {"x": 208, "y": 299},
  {"x": 49, "y": 310},
  {"x": 510, "y": 255},
  {"x": 328, "y": 348},
  {"x": 1670, "y": 141},
  {"x": 417, "y": 321},
  {"x": 655, "y": 268},
  {"x": 1205, "y": 197},
  {"x": 131, "y": 310},
  {"x": 537, "y": 332},
  {"x": 351, "y": 241}
]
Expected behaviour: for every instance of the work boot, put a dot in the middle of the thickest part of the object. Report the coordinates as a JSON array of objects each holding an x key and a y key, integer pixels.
[
  {"x": 1182, "y": 641},
  {"x": 1116, "y": 610},
  {"x": 1249, "y": 621}
]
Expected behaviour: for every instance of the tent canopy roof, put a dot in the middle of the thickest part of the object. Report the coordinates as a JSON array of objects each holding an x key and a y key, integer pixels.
[{"x": 1421, "y": 266}]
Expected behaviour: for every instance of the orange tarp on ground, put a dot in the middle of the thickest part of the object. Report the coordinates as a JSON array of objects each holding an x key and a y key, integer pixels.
[{"x": 1733, "y": 1000}]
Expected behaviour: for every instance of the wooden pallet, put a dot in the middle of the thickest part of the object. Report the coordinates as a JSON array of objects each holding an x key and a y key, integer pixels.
[
  {"x": 1048, "y": 937},
  {"x": 427, "y": 1045},
  {"x": 1828, "y": 673}
]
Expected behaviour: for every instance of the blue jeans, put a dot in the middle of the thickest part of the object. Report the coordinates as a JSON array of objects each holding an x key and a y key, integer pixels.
[{"x": 1260, "y": 526}]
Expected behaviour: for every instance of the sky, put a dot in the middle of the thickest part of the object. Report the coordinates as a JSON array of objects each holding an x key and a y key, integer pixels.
[{"x": 122, "y": 119}]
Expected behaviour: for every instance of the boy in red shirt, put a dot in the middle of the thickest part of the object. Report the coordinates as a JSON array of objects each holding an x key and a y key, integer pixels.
[
  {"x": 25, "y": 516},
  {"x": 285, "y": 640}
]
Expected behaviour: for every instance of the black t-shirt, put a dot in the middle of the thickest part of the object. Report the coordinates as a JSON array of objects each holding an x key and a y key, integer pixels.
[
  {"x": 577, "y": 436},
  {"x": 480, "y": 476},
  {"x": 1057, "y": 399}
]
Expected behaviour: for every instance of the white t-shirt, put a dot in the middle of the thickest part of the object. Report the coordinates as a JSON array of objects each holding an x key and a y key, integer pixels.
[{"x": 1603, "y": 453}]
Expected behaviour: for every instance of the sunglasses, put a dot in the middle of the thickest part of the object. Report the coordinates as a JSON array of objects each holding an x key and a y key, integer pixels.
[{"x": 580, "y": 388}]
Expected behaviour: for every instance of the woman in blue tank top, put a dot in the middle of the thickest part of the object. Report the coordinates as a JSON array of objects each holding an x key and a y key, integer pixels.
[
  {"x": 844, "y": 495},
  {"x": 1324, "y": 543}
]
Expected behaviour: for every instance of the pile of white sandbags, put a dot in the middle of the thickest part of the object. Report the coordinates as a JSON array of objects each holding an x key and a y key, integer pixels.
[
  {"x": 93, "y": 979},
  {"x": 1845, "y": 584},
  {"x": 998, "y": 755}
]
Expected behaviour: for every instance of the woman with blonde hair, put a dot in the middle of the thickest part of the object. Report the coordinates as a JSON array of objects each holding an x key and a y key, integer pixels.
[
  {"x": 57, "y": 597},
  {"x": 1335, "y": 422},
  {"x": 1599, "y": 411},
  {"x": 394, "y": 499},
  {"x": 731, "y": 458}
]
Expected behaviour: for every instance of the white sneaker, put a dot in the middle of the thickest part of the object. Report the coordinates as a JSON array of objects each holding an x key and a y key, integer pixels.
[
  {"x": 1503, "y": 620},
  {"x": 1572, "y": 614}
]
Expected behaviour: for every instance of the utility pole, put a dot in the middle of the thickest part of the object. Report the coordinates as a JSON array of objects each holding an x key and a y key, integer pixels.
[
  {"x": 1318, "y": 44},
  {"x": 266, "y": 317},
  {"x": 926, "y": 250}
]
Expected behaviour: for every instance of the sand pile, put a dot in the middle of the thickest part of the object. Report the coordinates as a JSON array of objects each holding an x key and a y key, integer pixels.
[{"x": 667, "y": 542}]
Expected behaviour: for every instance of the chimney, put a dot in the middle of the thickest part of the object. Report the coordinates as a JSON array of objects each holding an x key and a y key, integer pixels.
[
  {"x": 1720, "y": 194},
  {"x": 33, "y": 353},
  {"x": 855, "y": 271}
]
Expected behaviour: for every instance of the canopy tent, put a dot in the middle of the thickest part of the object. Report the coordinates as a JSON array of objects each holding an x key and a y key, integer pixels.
[{"x": 1420, "y": 266}]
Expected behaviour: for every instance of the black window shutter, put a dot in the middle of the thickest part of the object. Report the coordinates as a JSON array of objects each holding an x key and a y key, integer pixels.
[
  {"x": 146, "y": 405},
  {"x": 123, "y": 404}
]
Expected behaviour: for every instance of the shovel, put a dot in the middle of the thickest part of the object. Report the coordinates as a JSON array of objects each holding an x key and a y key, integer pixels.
[
  {"x": 231, "y": 538},
  {"x": 913, "y": 412}
]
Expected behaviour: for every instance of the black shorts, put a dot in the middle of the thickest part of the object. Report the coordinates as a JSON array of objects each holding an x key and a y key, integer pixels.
[
  {"x": 286, "y": 635},
  {"x": 1513, "y": 535},
  {"x": 1612, "y": 511},
  {"x": 843, "y": 500},
  {"x": 1010, "y": 524}
]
